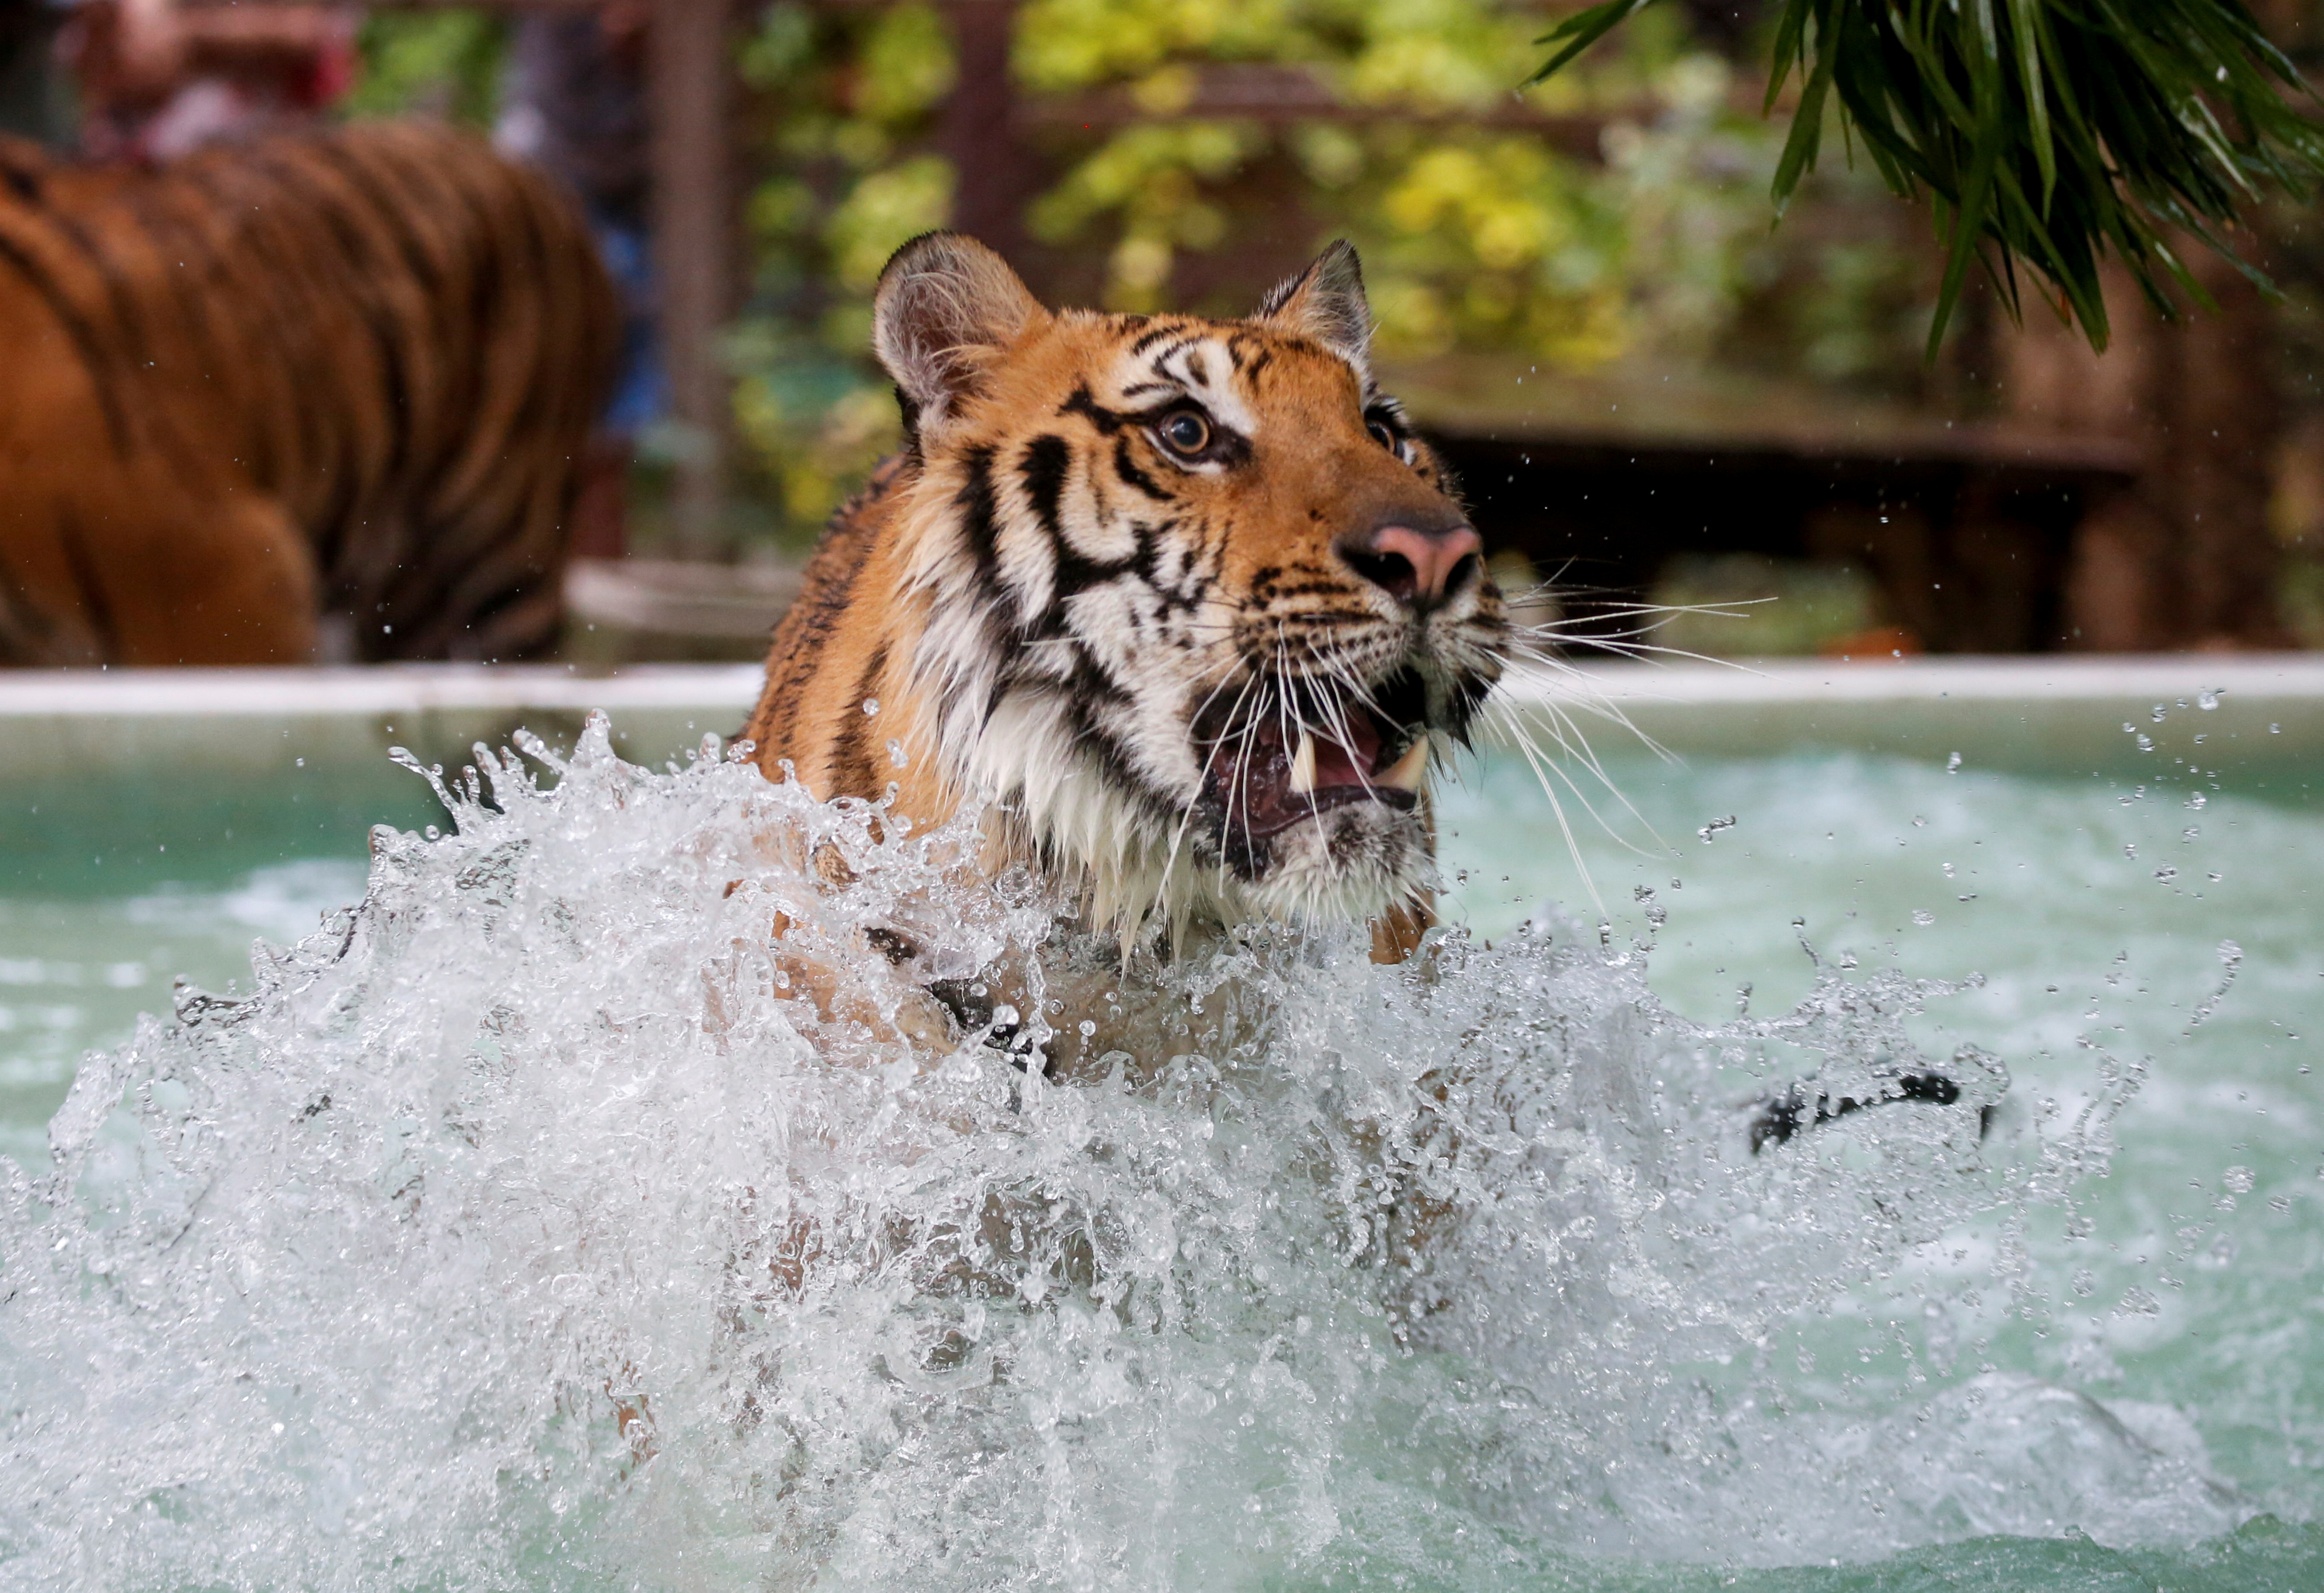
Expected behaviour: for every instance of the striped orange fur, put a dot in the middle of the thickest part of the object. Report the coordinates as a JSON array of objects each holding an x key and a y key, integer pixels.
[{"x": 346, "y": 372}]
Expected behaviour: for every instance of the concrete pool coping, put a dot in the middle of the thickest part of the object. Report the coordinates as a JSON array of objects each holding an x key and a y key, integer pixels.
[{"x": 2064, "y": 712}]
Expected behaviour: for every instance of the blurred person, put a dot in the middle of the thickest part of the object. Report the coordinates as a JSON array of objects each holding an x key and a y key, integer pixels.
[
  {"x": 159, "y": 77},
  {"x": 575, "y": 106}
]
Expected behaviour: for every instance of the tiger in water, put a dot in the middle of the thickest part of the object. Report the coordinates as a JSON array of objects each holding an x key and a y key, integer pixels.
[
  {"x": 1182, "y": 606},
  {"x": 1186, "y": 601},
  {"x": 345, "y": 373}
]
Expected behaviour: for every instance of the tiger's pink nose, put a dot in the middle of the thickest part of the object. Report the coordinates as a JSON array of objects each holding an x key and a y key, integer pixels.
[{"x": 1421, "y": 567}]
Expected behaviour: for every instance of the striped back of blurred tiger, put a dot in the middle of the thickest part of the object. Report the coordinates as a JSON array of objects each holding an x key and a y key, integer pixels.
[{"x": 349, "y": 373}]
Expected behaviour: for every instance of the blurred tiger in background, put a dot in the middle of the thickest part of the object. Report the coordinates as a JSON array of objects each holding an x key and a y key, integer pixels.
[{"x": 318, "y": 395}]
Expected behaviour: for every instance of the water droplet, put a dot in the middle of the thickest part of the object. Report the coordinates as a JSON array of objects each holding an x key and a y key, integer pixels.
[
  {"x": 1713, "y": 827},
  {"x": 2207, "y": 700},
  {"x": 896, "y": 752},
  {"x": 1924, "y": 918},
  {"x": 2238, "y": 1180},
  {"x": 870, "y": 706},
  {"x": 2198, "y": 801},
  {"x": 1952, "y": 764}
]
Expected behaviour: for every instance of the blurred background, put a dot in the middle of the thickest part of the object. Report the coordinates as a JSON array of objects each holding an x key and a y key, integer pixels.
[{"x": 1651, "y": 388}]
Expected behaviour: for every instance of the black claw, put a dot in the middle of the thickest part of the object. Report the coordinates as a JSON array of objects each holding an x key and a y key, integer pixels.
[
  {"x": 1784, "y": 1115},
  {"x": 1933, "y": 1087},
  {"x": 1779, "y": 1120}
]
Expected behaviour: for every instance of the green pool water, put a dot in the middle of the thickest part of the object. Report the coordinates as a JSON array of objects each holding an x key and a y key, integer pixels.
[
  {"x": 2176, "y": 921},
  {"x": 111, "y": 892},
  {"x": 2109, "y": 909}
]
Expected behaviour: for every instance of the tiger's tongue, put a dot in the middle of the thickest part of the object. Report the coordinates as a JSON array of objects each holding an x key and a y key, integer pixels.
[{"x": 1336, "y": 765}]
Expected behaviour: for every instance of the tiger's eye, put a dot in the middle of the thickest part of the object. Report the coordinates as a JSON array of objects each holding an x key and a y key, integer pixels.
[
  {"x": 1186, "y": 432},
  {"x": 1381, "y": 435}
]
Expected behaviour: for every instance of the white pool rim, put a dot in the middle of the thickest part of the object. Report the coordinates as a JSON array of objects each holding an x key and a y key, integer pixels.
[{"x": 2068, "y": 712}]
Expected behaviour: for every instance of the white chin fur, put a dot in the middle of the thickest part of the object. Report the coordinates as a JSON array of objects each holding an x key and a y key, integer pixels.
[{"x": 1343, "y": 866}]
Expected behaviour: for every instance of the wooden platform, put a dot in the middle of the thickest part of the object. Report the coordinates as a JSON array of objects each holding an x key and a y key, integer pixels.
[{"x": 1966, "y": 528}]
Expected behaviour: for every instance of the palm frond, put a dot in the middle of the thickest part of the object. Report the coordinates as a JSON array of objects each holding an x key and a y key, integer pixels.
[{"x": 2048, "y": 131}]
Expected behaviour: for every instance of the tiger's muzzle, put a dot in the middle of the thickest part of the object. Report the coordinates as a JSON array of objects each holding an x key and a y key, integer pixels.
[{"x": 1266, "y": 769}]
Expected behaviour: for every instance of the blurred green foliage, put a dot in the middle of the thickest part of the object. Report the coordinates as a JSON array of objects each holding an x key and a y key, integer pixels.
[
  {"x": 443, "y": 62},
  {"x": 1735, "y": 605},
  {"x": 846, "y": 99},
  {"x": 1474, "y": 237}
]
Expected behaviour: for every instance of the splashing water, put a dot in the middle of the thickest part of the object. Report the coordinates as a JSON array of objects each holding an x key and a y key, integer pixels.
[{"x": 544, "y": 1221}]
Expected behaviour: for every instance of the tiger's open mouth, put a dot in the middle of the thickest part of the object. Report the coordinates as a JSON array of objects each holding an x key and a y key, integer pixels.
[{"x": 1309, "y": 747}]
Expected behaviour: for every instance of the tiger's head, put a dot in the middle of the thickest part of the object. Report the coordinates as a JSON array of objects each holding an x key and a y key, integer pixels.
[{"x": 1197, "y": 610}]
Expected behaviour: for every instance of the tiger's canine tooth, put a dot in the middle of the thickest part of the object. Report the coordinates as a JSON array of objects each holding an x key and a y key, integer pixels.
[
  {"x": 1409, "y": 772},
  {"x": 1303, "y": 766}
]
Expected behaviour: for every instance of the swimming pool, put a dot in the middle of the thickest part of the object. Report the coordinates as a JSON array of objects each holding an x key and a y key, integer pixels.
[{"x": 2114, "y": 1380}]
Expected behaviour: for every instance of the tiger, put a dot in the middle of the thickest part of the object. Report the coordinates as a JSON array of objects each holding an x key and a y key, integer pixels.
[
  {"x": 316, "y": 393},
  {"x": 1185, "y": 608}
]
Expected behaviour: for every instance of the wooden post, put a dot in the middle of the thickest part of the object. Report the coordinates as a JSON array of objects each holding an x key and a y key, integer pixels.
[
  {"x": 2184, "y": 557},
  {"x": 693, "y": 248},
  {"x": 978, "y": 133}
]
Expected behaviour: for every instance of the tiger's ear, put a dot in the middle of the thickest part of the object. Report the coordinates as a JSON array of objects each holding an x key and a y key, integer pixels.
[
  {"x": 1326, "y": 303},
  {"x": 945, "y": 309}
]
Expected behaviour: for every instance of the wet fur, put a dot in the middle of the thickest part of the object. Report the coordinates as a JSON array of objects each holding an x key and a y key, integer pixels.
[{"x": 1033, "y": 608}]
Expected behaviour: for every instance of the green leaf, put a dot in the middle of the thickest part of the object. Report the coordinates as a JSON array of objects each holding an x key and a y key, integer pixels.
[
  {"x": 2026, "y": 38},
  {"x": 1581, "y": 30},
  {"x": 1799, "y": 156}
]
